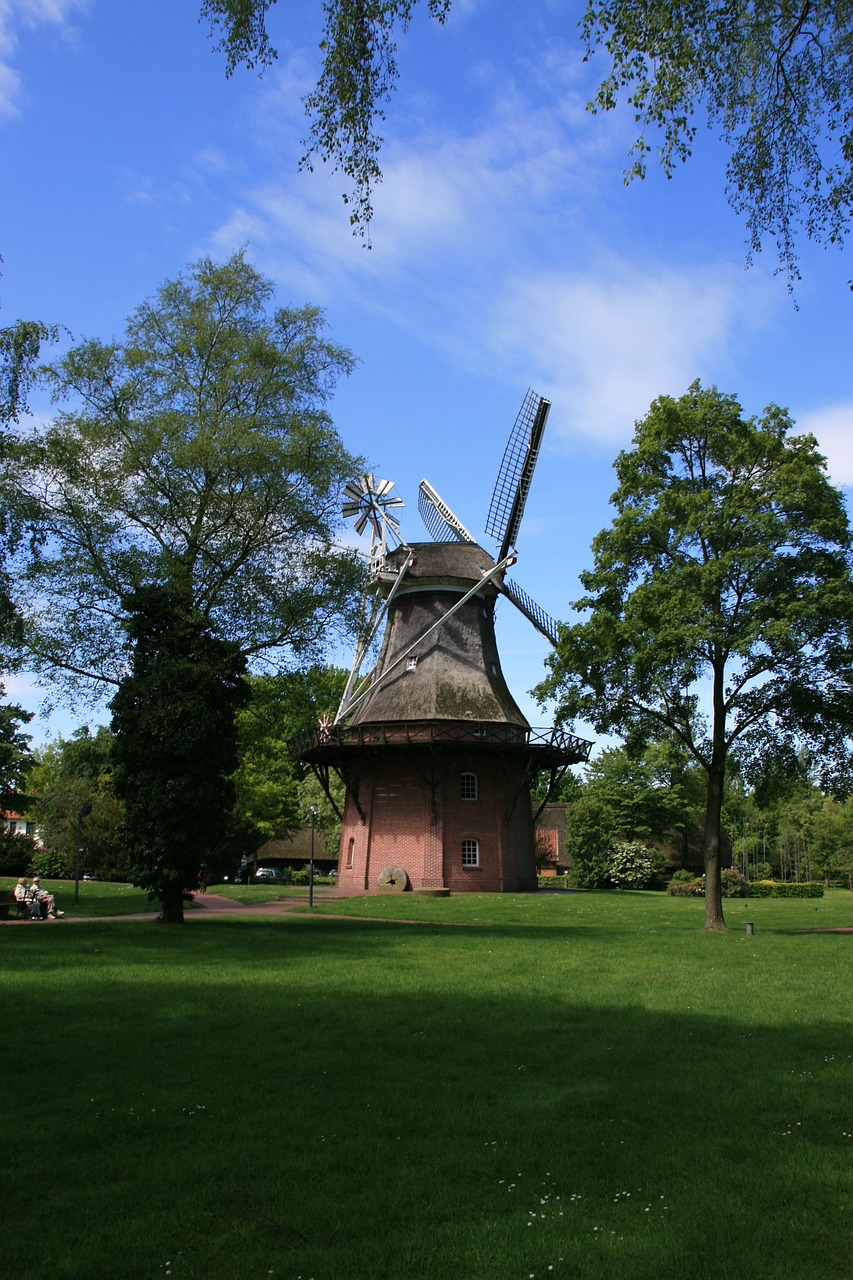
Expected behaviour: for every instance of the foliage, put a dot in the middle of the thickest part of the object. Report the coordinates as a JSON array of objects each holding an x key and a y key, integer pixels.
[
  {"x": 273, "y": 793},
  {"x": 15, "y": 754},
  {"x": 20, "y": 347},
  {"x": 682, "y": 876},
  {"x": 774, "y": 81},
  {"x": 734, "y": 884},
  {"x": 647, "y": 792},
  {"x": 175, "y": 743},
  {"x": 52, "y": 864},
  {"x": 358, "y": 76},
  {"x": 68, "y": 775},
  {"x": 243, "y": 38},
  {"x": 776, "y": 889},
  {"x": 16, "y": 853},
  {"x": 727, "y": 566},
  {"x": 199, "y": 450},
  {"x": 694, "y": 888},
  {"x": 631, "y": 865}
]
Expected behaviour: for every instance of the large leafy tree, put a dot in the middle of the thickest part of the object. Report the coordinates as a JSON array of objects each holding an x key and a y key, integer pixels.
[
  {"x": 199, "y": 448},
  {"x": 775, "y": 80},
  {"x": 720, "y": 603},
  {"x": 175, "y": 748}
]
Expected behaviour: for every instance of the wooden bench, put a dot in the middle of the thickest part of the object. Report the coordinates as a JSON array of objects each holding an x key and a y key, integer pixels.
[{"x": 8, "y": 903}]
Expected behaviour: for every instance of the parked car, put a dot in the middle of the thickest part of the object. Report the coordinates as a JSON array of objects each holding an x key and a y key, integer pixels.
[{"x": 268, "y": 873}]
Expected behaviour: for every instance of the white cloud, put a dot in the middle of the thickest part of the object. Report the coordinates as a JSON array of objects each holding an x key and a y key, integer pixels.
[
  {"x": 606, "y": 342},
  {"x": 16, "y": 15},
  {"x": 498, "y": 246},
  {"x": 832, "y": 427}
]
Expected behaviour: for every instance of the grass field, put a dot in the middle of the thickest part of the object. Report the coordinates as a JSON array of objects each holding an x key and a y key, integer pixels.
[{"x": 549, "y": 1085}]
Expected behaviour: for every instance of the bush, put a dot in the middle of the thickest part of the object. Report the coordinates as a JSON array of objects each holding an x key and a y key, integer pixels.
[
  {"x": 630, "y": 865},
  {"x": 734, "y": 884},
  {"x": 694, "y": 888},
  {"x": 780, "y": 889},
  {"x": 683, "y": 876},
  {"x": 300, "y": 876},
  {"x": 16, "y": 852},
  {"x": 52, "y": 866}
]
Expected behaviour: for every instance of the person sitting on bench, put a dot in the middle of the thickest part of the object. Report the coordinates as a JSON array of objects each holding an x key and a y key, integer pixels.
[
  {"x": 24, "y": 896},
  {"x": 45, "y": 900}
]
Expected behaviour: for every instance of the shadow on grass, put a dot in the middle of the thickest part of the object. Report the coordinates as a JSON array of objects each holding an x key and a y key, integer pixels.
[{"x": 347, "y": 1100}]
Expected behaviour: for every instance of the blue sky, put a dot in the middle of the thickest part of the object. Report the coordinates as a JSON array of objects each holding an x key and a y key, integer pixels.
[{"x": 507, "y": 252}]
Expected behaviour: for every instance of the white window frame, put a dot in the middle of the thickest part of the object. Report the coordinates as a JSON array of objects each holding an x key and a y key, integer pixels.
[
  {"x": 469, "y": 786},
  {"x": 470, "y": 853}
]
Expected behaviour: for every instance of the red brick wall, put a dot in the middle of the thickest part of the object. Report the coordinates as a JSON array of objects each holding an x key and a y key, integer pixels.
[{"x": 416, "y": 819}]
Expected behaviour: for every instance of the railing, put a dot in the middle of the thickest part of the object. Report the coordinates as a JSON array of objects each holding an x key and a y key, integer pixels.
[{"x": 429, "y": 732}]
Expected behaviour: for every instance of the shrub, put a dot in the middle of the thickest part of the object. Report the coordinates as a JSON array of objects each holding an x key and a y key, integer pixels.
[
  {"x": 300, "y": 876},
  {"x": 16, "y": 852},
  {"x": 687, "y": 888},
  {"x": 734, "y": 884},
  {"x": 630, "y": 865},
  {"x": 52, "y": 865},
  {"x": 683, "y": 876},
  {"x": 780, "y": 889}
]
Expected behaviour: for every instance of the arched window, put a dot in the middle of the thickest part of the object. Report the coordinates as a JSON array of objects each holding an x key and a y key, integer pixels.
[
  {"x": 468, "y": 786},
  {"x": 470, "y": 853}
]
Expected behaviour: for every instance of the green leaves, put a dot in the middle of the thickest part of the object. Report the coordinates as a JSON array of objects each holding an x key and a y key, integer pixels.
[
  {"x": 774, "y": 80},
  {"x": 721, "y": 598},
  {"x": 198, "y": 448}
]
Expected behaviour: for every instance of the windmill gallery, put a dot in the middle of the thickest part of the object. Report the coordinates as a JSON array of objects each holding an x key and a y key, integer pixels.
[{"x": 435, "y": 755}]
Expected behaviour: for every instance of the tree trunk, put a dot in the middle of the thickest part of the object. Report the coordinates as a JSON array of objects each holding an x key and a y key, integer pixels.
[
  {"x": 172, "y": 906},
  {"x": 714, "y": 806},
  {"x": 713, "y": 882}
]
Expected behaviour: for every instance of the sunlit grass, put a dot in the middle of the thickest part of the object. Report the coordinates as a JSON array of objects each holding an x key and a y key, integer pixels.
[{"x": 512, "y": 1086}]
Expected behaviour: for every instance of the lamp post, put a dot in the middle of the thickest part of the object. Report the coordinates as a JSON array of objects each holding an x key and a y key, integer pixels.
[
  {"x": 84, "y": 813},
  {"x": 312, "y": 809}
]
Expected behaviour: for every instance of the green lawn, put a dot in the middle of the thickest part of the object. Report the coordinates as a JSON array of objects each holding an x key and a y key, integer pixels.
[{"x": 552, "y": 1086}]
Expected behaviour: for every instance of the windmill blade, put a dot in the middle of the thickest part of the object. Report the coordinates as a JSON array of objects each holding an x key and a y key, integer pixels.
[
  {"x": 542, "y": 621},
  {"x": 439, "y": 519},
  {"x": 516, "y": 473}
]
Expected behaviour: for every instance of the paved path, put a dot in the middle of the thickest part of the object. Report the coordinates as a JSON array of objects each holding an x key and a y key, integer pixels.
[{"x": 206, "y": 905}]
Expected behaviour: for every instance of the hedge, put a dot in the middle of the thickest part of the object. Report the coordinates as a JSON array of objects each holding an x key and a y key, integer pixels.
[
  {"x": 782, "y": 889},
  {"x": 756, "y": 889}
]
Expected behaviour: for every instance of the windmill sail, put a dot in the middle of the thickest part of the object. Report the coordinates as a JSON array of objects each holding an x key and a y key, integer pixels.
[
  {"x": 516, "y": 473},
  {"x": 542, "y": 621},
  {"x": 439, "y": 519}
]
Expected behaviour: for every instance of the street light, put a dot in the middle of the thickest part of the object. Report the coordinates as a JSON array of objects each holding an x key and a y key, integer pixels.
[
  {"x": 312, "y": 809},
  {"x": 84, "y": 813}
]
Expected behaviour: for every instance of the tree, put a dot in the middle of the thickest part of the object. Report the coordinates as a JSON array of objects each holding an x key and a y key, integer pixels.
[
  {"x": 67, "y": 775},
  {"x": 273, "y": 791},
  {"x": 175, "y": 742},
  {"x": 725, "y": 577},
  {"x": 15, "y": 762},
  {"x": 20, "y": 347},
  {"x": 775, "y": 81},
  {"x": 198, "y": 450}
]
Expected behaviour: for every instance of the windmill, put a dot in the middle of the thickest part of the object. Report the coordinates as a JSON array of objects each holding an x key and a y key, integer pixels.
[{"x": 436, "y": 756}]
